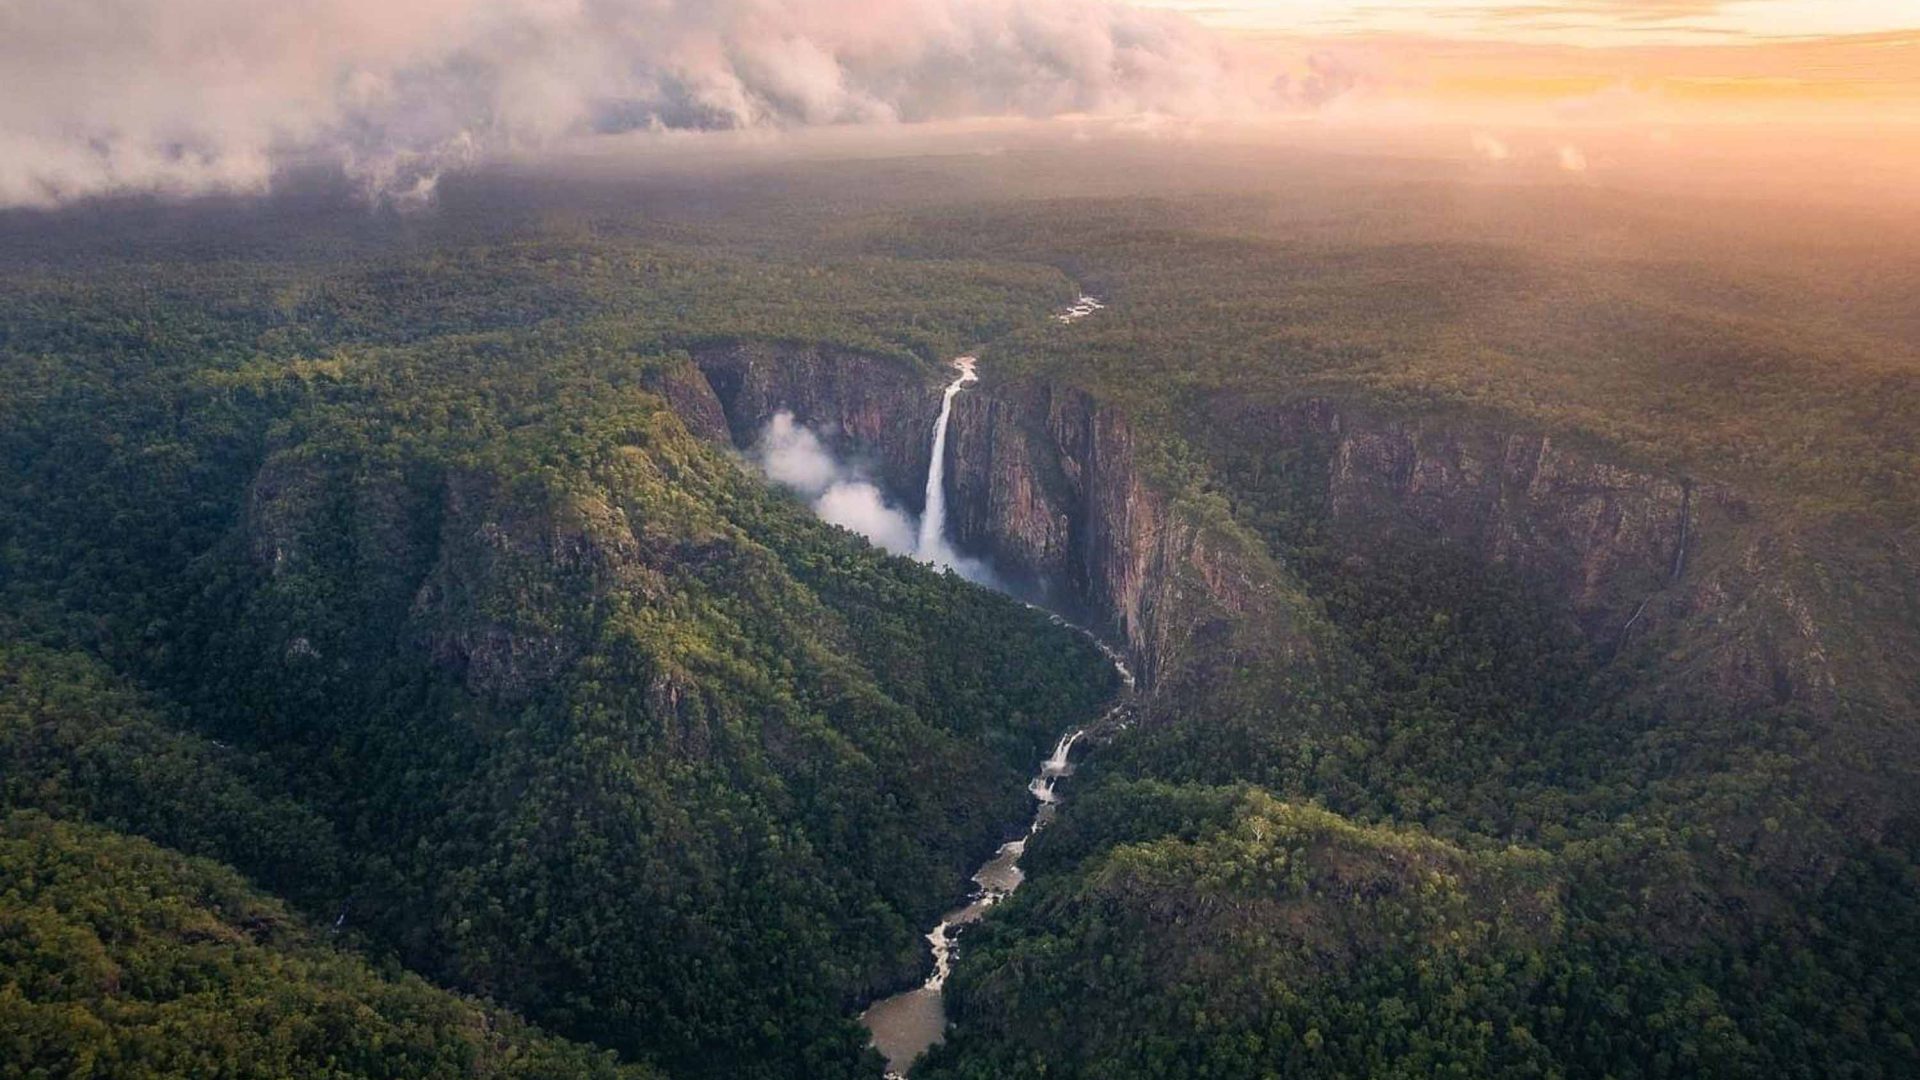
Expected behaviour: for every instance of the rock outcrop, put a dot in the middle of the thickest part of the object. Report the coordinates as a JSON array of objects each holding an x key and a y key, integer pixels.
[
  {"x": 686, "y": 390},
  {"x": 1047, "y": 485},
  {"x": 506, "y": 603}
]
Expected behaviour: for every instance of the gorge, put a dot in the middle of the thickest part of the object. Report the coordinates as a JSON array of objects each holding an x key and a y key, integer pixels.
[
  {"x": 907, "y": 1023},
  {"x": 1047, "y": 486},
  {"x": 1677, "y": 589}
]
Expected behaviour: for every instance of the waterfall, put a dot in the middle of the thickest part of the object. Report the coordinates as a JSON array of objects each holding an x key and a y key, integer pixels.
[
  {"x": 906, "y": 1024},
  {"x": 1053, "y": 769},
  {"x": 933, "y": 524}
]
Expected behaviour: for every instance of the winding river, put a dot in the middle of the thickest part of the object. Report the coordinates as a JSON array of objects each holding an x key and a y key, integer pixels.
[{"x": 906, "y": 1024}]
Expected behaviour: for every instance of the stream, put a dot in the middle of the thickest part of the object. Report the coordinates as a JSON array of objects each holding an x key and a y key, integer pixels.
[{"x": 907, "y": 1023}]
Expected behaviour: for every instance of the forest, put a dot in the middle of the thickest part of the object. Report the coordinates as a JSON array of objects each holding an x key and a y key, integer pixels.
[
  {"x": 448, "y": 633},
  {"x": 385, "y": 663}
]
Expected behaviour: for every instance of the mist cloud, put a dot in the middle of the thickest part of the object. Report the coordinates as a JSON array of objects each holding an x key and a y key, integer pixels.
[
  {"x": 1491, "y": 147},
  {"x": 190, "y": 95},
  {"x": 793, "y": 456}
]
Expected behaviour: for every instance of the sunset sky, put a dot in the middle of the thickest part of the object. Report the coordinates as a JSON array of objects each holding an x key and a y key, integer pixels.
[
  {"x": 190, "y": 95},
  {"x": 1567, "y": 22},
  {"x": 1852, "y": 60}
]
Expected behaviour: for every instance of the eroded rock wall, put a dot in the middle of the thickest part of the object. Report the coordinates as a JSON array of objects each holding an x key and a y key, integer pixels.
[{"x": 1046, "y": 483}]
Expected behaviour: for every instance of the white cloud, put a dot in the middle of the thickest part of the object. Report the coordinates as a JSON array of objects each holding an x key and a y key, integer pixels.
[
  {"x": 188, "y": 95},
  {"x": 859, "y": 506},
  {"x": 792, "y": 455}
]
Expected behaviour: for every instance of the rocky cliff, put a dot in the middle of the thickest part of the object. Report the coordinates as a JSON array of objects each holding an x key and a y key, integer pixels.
[
  {"x": 869, "y": 408},
  {"x": 1633, "y": 555},
  {"x": 1048, "y": 486},
  {"x": 1045, "y": 485}
]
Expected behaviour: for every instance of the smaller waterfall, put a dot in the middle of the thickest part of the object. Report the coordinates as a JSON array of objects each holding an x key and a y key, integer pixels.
[
  {"x": 906, "y": 1024},
  {"x": 933, "y": 524},
  {"x": 1052, "y": 770}
]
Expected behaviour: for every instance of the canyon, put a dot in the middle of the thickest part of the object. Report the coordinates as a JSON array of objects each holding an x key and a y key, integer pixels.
[{"x": 1050, "y": 487}]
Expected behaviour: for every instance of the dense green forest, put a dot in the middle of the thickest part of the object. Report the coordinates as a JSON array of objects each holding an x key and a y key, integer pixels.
[
  {"x": 382, "y": 660},
  {"x": 389, "y": 585},
  {"x": 128, "y": 959},
  {"x": 1474, "y": 839}
]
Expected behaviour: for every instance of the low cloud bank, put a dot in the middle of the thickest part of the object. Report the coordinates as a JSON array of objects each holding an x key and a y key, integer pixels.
[
  {"x": 793, "y": 456},
  {"x": 193, "y": 95}
]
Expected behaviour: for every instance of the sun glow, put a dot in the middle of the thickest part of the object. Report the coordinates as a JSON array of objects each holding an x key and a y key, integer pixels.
[
  {"x": 1570, "y": 22},
  {"x": 1704, "y": 59}
]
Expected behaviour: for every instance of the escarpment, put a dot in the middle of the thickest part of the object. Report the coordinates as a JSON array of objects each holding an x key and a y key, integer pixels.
[
  {"x": 1046, "y": 483},
  {"x": 1632, "y": 555},
  {"x": 866, "y": 407}
]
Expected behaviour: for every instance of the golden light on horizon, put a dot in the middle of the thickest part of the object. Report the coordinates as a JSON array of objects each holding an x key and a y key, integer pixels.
[
  {"x": 1851, "y": 60},
  {"x": 1590, "y": 23}
]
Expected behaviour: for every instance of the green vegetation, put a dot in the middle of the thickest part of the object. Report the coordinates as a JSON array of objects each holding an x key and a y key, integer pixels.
[
  {"x": 1731, "y": 881},
  {"x": 1534, "y": 871},
  {"x": 125, "y": 959},
  {"x": 371, "y": 635},
  {"x": 1286, "y": 940},
  {"x": 445, "y": 630}
]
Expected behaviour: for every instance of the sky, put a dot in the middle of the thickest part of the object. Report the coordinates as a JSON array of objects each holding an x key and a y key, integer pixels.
[
  {"x": 1594, "y": 23},
  {"x": 1837, "y": 60},
  {"x": 184, "y": 96}
]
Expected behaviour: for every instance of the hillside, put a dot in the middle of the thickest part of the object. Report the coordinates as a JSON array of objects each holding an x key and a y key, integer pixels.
[
  {"x": 1520, "y": 579},
  {"x": 126, "y": 959},
  {"x": 535, "y": 694}
]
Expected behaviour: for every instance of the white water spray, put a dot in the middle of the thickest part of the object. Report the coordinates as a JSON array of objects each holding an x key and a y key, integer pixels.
[
  {"x": 933, "y": 523},
  {"x": 841, "y": 492},
  {"x": 1052, "y": 769}
]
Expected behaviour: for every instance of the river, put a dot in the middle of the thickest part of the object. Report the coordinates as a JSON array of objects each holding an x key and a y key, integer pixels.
[{"x": 906, "y": 1024}]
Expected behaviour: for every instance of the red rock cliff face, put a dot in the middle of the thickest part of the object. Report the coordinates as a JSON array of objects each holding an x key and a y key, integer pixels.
[
  {"x": 1633, "y": 555},
  {"x": 1046, "y": 483}
]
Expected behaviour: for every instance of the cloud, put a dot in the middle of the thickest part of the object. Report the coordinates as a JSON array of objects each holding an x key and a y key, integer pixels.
[
  {"x": 793, "y": 456},
  {"x": 859, "y": 506},
  {"x": 190, "y": 95},
  {"x": 1600, "y": 11},
  {"x": 1490, "y": 147},
  {"x": 1327, "y": 78},
  {"x": 1572, "y": 159}
]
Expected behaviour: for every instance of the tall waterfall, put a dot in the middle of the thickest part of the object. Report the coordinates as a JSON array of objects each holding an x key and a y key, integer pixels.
[
  {"x": 933, "y": 524},
  {"x": 905, "y": 1024}
]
